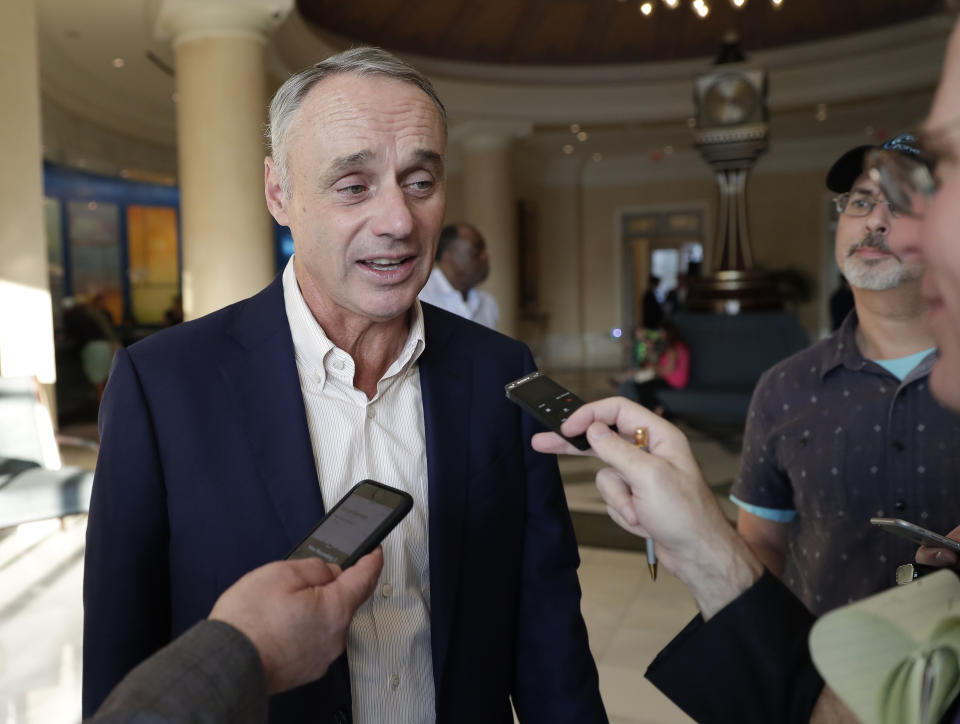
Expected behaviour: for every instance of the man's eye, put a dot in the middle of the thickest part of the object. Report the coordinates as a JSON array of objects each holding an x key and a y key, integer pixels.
[
  {"x": 353, "y": 189},
  {"x": 422, "y": 185},
  {"x": 860, "y": 203}
]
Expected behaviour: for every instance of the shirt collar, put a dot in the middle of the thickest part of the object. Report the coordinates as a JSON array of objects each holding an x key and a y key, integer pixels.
[
  {"x": 845, "y": 351},
  {"x": 315, "y": 350}
]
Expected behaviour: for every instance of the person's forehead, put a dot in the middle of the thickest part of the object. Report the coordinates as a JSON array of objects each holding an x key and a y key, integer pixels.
[
  {"x": 351, "y": 102},
  {"x": 865, "y": 183}
]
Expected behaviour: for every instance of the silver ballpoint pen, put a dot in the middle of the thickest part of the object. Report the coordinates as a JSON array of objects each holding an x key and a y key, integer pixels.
[{"x": 641, "y": 439}]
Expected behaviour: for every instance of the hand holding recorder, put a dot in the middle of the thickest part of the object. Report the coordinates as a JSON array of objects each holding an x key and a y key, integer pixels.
[{"x": 661, "y": 494}]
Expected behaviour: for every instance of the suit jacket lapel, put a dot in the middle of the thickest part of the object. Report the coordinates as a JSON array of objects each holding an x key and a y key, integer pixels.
[
  {"x": 445, "y": 374},
  {"x": 262, "y": 374}
]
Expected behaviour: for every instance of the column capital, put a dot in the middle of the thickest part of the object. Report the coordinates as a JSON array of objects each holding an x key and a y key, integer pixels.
[
  {"x": 183, "y": 20},
  {"x": 488, "y": 135}
]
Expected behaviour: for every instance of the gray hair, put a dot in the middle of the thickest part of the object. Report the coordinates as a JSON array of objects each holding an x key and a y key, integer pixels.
[{"x": 365, "y": 60}]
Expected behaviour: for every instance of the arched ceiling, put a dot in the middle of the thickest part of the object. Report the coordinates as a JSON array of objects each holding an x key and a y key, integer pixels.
[{"x": 559, "y": 32}]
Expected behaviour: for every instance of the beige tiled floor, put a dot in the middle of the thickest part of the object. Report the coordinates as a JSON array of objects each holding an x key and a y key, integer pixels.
[{"x": 629, "y": 618}]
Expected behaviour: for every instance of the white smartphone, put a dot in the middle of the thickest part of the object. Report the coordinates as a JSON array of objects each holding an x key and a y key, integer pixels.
[{"x": 913, "y": 532}]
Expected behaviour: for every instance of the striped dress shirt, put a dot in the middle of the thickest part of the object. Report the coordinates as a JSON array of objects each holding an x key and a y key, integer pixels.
[{"x": 353, "y": 438}]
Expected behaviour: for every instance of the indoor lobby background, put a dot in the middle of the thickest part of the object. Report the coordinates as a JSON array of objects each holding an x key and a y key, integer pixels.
[{"x": 132, "y": 135}]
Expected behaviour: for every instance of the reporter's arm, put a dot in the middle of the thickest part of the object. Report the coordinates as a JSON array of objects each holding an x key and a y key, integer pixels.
[{"x": 278, "y": 627}]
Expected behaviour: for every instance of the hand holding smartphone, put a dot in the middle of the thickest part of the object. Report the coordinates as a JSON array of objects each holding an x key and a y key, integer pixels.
[{"x": 355, "y": 525}]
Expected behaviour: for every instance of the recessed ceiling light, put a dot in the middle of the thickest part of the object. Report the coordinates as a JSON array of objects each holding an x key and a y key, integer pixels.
[
  {"x": 568, "y": 149},
  {"x": 646, "y": 8},
  {"x": 119, "y": 62},
  {"x": 574, "y": 128},
  {"x": 582, "y": 136},
  {"x": 597, "y": 157}
]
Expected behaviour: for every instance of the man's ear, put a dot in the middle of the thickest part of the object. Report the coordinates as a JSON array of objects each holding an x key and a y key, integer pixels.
[{"x": 273, "y": 191}]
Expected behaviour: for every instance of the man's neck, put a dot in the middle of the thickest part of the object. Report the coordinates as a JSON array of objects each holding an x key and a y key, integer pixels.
[
  {"x": 892, "y": 323},
  {"x": 373, "y": 345}
]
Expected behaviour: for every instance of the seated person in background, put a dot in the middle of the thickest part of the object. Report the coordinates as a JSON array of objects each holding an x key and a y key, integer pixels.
[
  {"x": 847, "y": 428},
  {"x": 665, "y": 365},
  {"x": 745, "y": 658}
]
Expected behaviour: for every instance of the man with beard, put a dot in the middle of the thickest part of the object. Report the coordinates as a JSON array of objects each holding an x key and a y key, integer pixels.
[{"x": 847, "y": 429}]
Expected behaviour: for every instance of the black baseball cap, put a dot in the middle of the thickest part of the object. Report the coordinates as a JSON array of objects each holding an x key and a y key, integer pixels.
[{"x": 849, "y": 166}]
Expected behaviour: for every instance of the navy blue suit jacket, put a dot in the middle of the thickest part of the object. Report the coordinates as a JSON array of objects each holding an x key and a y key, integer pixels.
[{"x": 206, "y": 471}]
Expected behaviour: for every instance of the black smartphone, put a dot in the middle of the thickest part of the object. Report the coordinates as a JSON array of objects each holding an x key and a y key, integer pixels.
[
  {"x": 913, "y": 532},
  {"x": 355, "y": 525},
  {"x": 548, "y": 402}
]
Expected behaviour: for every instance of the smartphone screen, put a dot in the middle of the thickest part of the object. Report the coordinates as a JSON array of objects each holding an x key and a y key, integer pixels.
[
  {"x": 547, "y": 401},
  {"x": 355, "y": 525}
]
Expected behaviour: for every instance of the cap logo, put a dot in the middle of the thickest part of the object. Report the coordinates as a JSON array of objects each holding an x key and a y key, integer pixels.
[{"x": 905, "y": 143}]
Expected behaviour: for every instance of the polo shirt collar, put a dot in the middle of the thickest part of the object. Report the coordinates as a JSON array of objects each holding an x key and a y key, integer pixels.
[{"x": 843, "y": 350}]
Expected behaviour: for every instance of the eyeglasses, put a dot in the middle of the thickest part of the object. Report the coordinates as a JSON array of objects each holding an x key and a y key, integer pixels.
[
  {"x": 906, "y": 181},
  {"x": 861, "y": 203}
]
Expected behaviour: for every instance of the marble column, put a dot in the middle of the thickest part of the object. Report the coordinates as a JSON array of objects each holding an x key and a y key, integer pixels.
[
  {"x": 491, "y": 206},
  {"x": 26, "y": 319},
  {"x": 220, "y": 50}
]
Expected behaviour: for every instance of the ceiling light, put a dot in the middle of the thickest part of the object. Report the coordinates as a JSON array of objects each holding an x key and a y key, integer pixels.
[
  {"x": 582, "y": 136},
  {"x": 646, "y": 8},
  {"x": 119, "y": 62},
  {"x": 568, "y": 149},
  {"x": 672, "y": 4},
  {"x": 702, "y": 10},
  {"x": 777, "y": 4},
  {"x": 597, "y": 157},
  {"x": 738, "y": 4},
  {"x": 574, "y": 128}
]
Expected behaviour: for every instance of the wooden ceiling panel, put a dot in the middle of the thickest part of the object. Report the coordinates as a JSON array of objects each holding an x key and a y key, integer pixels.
[{"x": 557, "y": 32}]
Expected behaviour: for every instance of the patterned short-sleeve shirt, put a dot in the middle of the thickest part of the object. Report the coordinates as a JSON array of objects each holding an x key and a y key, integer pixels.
[{"x": 839, "y": 439}]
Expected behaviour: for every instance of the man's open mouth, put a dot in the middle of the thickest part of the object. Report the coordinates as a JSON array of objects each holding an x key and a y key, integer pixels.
[{"x": 384, "y": 264}]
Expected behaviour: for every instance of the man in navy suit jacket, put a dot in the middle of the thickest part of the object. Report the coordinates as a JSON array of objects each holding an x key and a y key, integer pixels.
[{"x": 208, "y": 458}]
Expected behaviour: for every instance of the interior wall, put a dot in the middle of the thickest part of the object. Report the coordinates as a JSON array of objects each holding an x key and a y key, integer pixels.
[
  {"x": 71, "y": 140},
  {"x": 581, "y": 282}
]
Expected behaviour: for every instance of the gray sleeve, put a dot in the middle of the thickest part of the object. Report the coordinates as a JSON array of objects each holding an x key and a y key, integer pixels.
[{"x": 211, "y": 673}]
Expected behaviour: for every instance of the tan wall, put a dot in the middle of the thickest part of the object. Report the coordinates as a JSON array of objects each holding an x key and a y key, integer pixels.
[{"x": 785, "y": 223}]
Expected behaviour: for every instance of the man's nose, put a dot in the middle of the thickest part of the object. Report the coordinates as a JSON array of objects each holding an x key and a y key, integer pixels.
[
  {"x": 392, "y": 215},
  {"x": 879, "y": 218}
]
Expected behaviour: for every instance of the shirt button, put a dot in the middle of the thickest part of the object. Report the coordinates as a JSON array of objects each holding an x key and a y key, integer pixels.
[
  {"x": 898, "y": 446},
  {"x": 394, "y": 681},
  {"x": 371, "y": 413},
  {"x": 900, "y": 505},
  {"x": 385, "y": 590}
]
